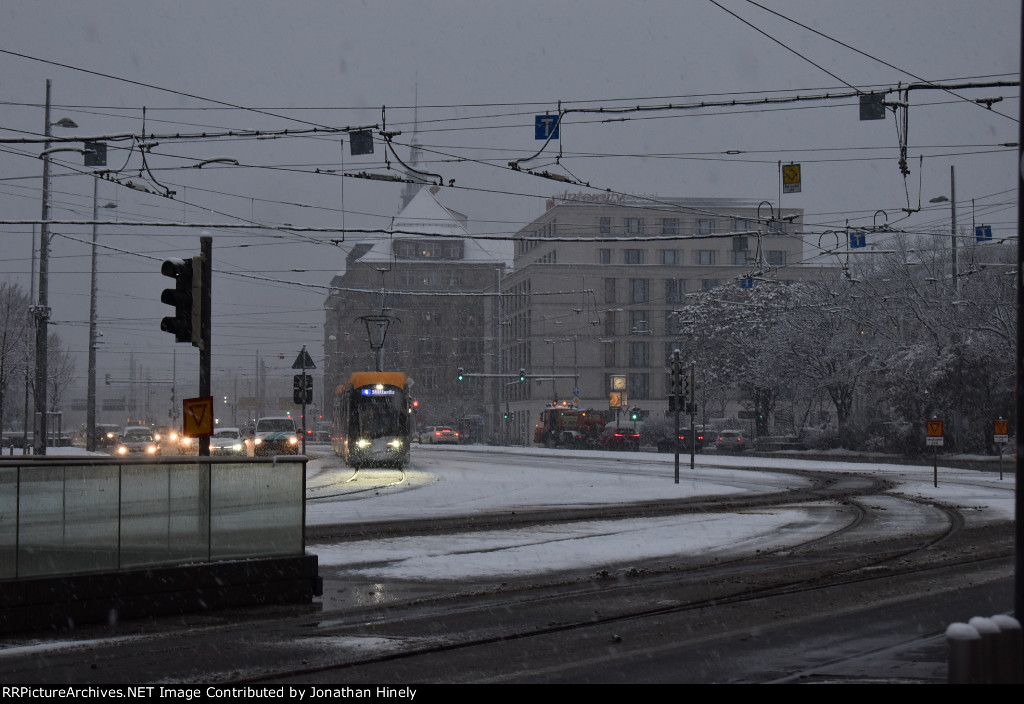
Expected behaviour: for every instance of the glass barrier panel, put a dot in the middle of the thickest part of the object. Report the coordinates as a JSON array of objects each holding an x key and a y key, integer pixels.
[
  {"x": 8, "y": 522},
  {"x": 164, "y": 514},
  {"x": 256, "y": 510}
]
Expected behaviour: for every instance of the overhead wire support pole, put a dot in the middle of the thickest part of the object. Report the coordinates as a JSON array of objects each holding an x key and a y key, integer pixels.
[
  {"x": 205, "y": 352},
  {"x": 1019, "y": 460},
  {"x": 42, "y": 310}
]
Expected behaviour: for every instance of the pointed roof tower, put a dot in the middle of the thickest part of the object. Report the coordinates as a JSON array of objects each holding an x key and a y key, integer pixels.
[{"x": 415, "y": 153}]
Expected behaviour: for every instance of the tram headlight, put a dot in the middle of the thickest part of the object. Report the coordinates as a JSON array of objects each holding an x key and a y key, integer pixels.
[
  {"x": 396, "y": 443},
  {"x": 363, "y": 443},
  {"x": 151, "y": 449},
  {"x": 293, "y": 440}
]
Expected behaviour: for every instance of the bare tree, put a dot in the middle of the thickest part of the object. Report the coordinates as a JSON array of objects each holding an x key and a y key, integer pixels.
[
  {"x": 15, "y": 328},
  {"x": 61, "y": 370}
]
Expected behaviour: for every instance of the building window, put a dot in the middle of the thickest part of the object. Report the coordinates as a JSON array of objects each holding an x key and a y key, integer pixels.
[
  {"x": 704, "y": 256},
  {"x": 639, "y": 291},
  {"x": 669, "y": 256},
  {"x": 708, "y": 284},
  {"x": 609, "y": 354},
  {"x": 670, "y": 226},
  {"x": 639, "y": 322},
  {"x": 639, "y": 354},
  {"x": 776, "y": 257},
  {"x": 605, "y": 226},
  {"x": 427, "y": 249},
  {"x": 638, "y": 385},
  {"x": 740, "y": 225},
  {"x": 672, "y": 327},
  {"x": 705, "y": 227},
  {"x": 634, "y": 226},
  {"x": 609, "y": 290},
  {"x": 739, "y": 257},
  {"x": 675, "y": 290},
  {"x": 633, "y": 256},
  {"x": 609, "y": 323},
  {"x": 604, "y": 256},
  {"x": 427, "y": 379}
]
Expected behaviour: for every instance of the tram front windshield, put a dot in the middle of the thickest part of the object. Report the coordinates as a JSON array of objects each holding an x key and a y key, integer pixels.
[{"x": 379, "y": 413}]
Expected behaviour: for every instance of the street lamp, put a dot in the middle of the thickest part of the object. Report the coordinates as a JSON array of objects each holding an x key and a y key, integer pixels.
[
  {"x": 952, "y": 205},
  {"x": 90, "y": 410},
  {"x": 42, "y": 309}
]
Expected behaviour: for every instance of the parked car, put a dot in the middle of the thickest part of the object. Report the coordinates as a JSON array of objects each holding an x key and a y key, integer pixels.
[
  {"x": 439, "y": 435},
  {"x": 731, "y": 441}
]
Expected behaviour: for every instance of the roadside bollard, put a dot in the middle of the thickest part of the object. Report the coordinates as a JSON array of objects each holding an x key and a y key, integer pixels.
[
  {"x": 964, "y": 659},
  {"x": 1008, "y": 664},
  {"x": 989, "y": 633}
]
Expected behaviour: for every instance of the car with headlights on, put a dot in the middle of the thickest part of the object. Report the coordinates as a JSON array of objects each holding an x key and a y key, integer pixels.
[
  {"x": 138, "y": 440},
  {"x": 275, "y": 435},
  {"x": 227, "y": 441}
]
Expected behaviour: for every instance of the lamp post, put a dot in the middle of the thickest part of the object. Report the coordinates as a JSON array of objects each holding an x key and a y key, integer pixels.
[
  {"x": 952, "y": 204},
  {"x": 42, "y": 309},
  {"x": 90, "y": 410}
]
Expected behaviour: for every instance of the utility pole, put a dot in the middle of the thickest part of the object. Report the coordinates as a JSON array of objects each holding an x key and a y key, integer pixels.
[
  {"x": 90, "y": 403},
  {"x": 42, "y": 310},
  {"x": 952, "y": 203},
  {"x": 205, "y": 356}
]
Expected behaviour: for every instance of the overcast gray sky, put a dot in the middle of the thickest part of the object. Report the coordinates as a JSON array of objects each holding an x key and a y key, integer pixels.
[{"x": 479, "y": 72}]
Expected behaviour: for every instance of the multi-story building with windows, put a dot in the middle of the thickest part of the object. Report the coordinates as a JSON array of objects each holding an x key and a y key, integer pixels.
[
  {"x": 427, "y": 285},
  {"x": 598, "y": 282}
]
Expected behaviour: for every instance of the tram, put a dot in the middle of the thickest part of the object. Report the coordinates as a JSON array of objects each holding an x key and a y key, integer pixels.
[{"x": 371, "y": 419}]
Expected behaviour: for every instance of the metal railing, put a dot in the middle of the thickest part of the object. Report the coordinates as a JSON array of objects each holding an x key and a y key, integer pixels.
[{"x": 61, "y": 516}]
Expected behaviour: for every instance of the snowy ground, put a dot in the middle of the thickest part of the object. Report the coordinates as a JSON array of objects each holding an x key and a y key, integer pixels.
[
  {"x": 478, "y": 479},
  {"x": 533, "y": 478}
]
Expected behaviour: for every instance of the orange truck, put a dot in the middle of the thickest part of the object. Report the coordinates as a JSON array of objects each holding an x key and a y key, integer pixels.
[{"x": 565, "y": 425}]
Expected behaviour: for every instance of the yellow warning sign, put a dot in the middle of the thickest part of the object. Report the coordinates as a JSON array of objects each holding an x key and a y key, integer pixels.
[
  {"x": 791, "y": 178},
  {"x": 198, "y": 416}
]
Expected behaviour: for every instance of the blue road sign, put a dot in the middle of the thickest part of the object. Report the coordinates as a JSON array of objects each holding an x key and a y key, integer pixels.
[
  {"x": 545, "y": 126},
  {"x": 746, "y": 283},
  {"x": 858, "y": 240},
  {"x": 982, "y": 233}
]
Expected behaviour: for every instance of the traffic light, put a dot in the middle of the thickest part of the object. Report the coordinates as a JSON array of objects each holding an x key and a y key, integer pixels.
[
  {"x": 634, "y": 416},
  {"x": 676, "y": 385},
  {"x": 181, "y": 297},
  {"x": 522, "y": 375},
  {"x": 302, "y": 389},
  {"x": 461, "y": 374}
]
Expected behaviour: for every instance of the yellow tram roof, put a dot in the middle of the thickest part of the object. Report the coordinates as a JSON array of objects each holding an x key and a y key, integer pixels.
[{"x": 360, "y": 379}]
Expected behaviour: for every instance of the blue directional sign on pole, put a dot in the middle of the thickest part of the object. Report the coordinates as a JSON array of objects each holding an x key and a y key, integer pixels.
[
  {"x": 746, "y": 283},
  {"x": 545, "y": 126},
  {"x": 983, "y": 233},
  {"x": 857, "y": 240}
]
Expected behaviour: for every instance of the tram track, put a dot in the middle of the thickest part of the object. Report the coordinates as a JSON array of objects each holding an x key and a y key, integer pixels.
[
  {"x": 809, "y": 571},
  {"x": 550, "y": 625}
]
